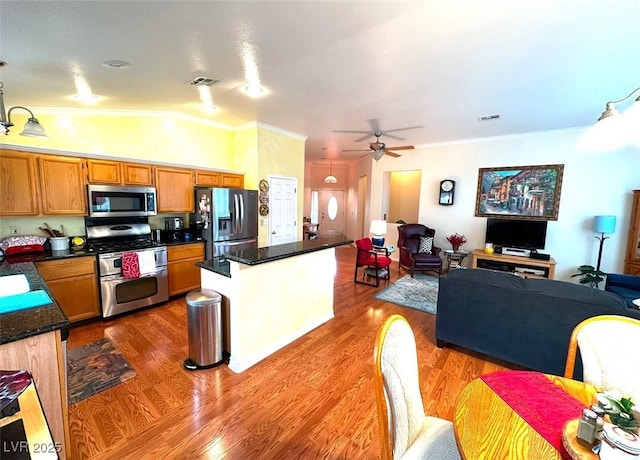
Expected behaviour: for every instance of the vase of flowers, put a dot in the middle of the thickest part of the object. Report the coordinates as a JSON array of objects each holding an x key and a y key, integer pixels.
[{"x": 456, "y": 240}]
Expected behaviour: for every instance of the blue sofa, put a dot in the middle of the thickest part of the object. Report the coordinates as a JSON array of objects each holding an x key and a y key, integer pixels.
[
  {"x": 626, "y": 286},
  {"x": 524, "y": 321}
]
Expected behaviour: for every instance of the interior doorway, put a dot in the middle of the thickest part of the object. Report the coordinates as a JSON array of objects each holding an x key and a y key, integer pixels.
[
  {"x": 362, "y": 206},
  {"x": 331, "y": 212},
  {"x": 283, "y": 201}
]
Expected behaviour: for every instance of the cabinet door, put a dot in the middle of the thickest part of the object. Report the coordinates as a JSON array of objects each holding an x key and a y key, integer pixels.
[
  {"x": 632, "y": 262},
  {"x": 231, "y": 180},
  {"x": 183, "y": 275},
  {"x": 74, "y": 284},
  {"x": 18, "y": 184},
  {"x": 62, "y": 185},
  {"x": 208, "y": 179},
  {"x": 174, "y": 190},
  {"x": 137, "y": 174},
  {"x": 103, "y": 172}
]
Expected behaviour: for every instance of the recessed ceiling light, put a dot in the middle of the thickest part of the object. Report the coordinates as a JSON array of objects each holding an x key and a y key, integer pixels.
[
  {"x": 116, "y": 64},
  {"x": 253, "y": 90}
]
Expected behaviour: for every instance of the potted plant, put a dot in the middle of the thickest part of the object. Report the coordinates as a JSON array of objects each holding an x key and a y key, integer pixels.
[
  {"x": 589, "y": 275},
  {"x": 456, "y": 240}
]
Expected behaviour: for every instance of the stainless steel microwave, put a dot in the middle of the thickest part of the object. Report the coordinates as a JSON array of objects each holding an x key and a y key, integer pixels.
[{"x": 116, "y": 201}]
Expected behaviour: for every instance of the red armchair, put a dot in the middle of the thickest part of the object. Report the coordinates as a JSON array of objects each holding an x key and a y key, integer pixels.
[
  {"x": 375, "y": 261},
  {"x": 409, "y": 244}
]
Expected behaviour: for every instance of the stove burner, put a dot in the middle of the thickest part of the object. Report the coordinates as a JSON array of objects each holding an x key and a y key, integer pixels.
[{"x": 102, "y": 246}]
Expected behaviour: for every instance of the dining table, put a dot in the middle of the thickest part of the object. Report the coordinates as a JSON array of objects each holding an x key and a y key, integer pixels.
[{"x": 522, "y": 415}]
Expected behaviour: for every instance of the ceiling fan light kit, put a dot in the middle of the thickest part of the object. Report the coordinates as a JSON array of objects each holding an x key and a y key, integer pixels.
[
  {"x": 32, "y": 127},
  {"x": 379, "y": 149}
]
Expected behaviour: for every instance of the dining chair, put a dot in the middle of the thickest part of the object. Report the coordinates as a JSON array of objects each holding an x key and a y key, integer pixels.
[
  {"x": 406, "y": 432},
  {"x": 376, "y": 262},
  {"x": 608, "y": 346}
]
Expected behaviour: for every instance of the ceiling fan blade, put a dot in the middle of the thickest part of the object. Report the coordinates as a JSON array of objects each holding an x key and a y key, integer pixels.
[
  {"x": 355, "y": 150},
  {"x": 392, "y": 154},
  {"x": 401, "y": 129},
  {"x": 402, "y": 147},
  {"x": 348, "y": 131},
  {"x": 360, "y": 139}
]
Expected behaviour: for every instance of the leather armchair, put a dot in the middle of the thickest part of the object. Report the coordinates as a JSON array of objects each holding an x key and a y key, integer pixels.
[{"x": 408, "y": 245}]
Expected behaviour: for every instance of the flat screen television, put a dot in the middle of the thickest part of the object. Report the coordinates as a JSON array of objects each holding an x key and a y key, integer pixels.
[{"x": 516, "y": 233}]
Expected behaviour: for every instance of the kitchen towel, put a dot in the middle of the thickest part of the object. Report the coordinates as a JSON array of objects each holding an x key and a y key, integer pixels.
[
  {"x": 147, "y": 262},
  {"x": 23, "y": 301},
  {"x": 130, "y": 265}
]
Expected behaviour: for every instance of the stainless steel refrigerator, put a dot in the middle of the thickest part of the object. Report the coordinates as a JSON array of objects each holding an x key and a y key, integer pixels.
[{"x": 229, "y": 219}]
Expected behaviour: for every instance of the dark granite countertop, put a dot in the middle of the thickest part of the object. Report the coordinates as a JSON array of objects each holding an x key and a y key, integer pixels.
[
  {"x": 271, "y": 253},
  {"x": 32, "y": 321}
]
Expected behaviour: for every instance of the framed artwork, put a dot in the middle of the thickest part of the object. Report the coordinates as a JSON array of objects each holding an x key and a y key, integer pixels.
[{"x": 525, "y": 192}]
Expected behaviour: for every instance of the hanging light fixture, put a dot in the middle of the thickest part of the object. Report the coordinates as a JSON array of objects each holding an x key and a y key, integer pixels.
[
  {"x": 330, "y": 179},
  {"x": 614, "y": 130},
  {"x": 32, "y": 127}
]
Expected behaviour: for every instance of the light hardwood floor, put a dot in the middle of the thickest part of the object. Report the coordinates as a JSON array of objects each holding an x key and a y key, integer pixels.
[{"x": 312, "y": 399}]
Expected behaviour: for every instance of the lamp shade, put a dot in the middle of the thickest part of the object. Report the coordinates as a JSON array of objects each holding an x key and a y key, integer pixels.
[
  {"x": 378, "y": 227},
  {"x": 33, "y": 128},
  {"x": 604, "y": 224}
]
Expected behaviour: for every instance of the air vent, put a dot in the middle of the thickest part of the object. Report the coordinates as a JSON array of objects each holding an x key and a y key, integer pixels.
[
  {"x": 203, "y": 81},
  {"x": 495, "y": 116}
]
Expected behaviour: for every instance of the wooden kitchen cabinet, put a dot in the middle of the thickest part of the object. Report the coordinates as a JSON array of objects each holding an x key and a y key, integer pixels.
[
  {"x": 73, "y": 281},
  {"x": 183, "y": 275},
  {"x": 19, "y": 179},
  {"x": 103, "y": 172},
  {"x": 174, "y": 188},
  {"x": 229, "y": 180},
  {"x": 62, "y": 185},
  {"x": 118, "y": 173},
  {"x": 207, "y": 178},
  {"x": 137, "y": 174}
]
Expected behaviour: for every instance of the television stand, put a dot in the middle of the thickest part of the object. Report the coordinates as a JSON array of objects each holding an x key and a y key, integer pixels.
[{"x": 527, "y": 267}]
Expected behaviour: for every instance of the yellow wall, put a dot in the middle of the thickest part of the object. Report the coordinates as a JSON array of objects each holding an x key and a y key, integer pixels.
[
  {"x": 404, "y": 196},
  {"x": 151, "y": 137},
  {"x": 255, "y": 150}
]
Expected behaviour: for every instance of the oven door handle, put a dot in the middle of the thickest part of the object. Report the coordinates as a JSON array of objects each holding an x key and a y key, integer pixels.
[{"x": 159, "y": 271}]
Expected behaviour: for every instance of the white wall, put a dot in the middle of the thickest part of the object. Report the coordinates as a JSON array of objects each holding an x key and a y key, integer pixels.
[{"x": 593, "y": 184}]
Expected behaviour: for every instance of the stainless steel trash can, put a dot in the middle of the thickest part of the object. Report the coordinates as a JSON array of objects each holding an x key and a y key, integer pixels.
[{"x": 204, "y": 324}]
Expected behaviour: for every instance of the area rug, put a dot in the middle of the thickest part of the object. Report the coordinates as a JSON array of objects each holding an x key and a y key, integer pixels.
[
  {"x": 95, "y": 367},
  {"x": 420, "y": 293}
]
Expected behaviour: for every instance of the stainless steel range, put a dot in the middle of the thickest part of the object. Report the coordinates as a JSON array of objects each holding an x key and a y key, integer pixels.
[{"x": 110, "y": 238}]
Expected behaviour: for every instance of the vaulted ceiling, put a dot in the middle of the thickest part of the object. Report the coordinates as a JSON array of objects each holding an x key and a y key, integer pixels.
[{"x": 331, "y": 65}]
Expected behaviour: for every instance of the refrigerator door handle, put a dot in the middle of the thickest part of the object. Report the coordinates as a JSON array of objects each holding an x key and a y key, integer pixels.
[
  {"x": 236, "y": 217},
  {"x": 241, "y": 214}
]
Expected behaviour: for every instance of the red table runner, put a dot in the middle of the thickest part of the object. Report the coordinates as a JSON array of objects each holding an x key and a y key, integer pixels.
[{"x": 538, "y": 401}]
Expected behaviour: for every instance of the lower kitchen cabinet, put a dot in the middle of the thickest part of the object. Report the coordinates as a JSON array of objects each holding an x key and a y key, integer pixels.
[
  {"x": 73, "y": 282},
  {"x": 183, "y": 274}
]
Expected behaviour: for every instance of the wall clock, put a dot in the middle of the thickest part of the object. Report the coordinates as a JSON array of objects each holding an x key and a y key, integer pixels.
[{"x": 447, "y": 189}]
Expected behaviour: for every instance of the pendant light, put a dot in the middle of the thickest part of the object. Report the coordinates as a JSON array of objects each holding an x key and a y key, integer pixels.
[
  {"x": 330, "y": 179},
  {"x": 32, "y": 127}
]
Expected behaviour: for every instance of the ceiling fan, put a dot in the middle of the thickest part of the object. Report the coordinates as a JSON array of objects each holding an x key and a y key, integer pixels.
[{"x": 378, "y": 149}]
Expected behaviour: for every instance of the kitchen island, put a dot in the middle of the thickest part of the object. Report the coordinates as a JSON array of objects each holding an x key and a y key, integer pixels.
[
  {"x": 32, "y": 339},
  {"x": 272, "y": 295}
]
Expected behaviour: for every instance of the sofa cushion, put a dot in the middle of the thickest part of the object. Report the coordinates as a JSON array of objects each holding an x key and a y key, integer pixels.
[
  {"x": 627, "y": 294},
  {"x": 488, "y": 278},
  {"x": 573, "y": 292}
]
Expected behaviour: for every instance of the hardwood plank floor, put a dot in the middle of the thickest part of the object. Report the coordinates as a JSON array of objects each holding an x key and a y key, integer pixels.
[{"x": 312, "y": 399}]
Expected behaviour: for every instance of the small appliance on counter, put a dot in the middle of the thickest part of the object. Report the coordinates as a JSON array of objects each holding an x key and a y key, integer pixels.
[
  {"x": 174, "y": 229},
  {"x": 196, "y": 228}
]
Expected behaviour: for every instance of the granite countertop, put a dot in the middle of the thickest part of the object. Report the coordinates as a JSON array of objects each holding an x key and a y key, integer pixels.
[
  {"x": 31, "y": 321},
  {"x": 271, "y": 253}
]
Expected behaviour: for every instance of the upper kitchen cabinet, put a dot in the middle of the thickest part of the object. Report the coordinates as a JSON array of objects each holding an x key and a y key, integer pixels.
[
  {"x": 174, "y": 188},
  {"x": 137, "y": 174},
  {"x": 218, "y": 179},
  {"x": 19, "y": 184},
  {"x": 207, "y": 178},
  {"x": 103, "y": 172},
  {"x": 62, "y": 185},
  {"x": 118, "y": 173},
  {"x": 229, "y": 180}
]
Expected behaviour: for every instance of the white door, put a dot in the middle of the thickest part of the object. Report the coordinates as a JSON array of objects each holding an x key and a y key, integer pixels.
[
  {"x": 331, "y": 212},
  {"x": 283, "y": 201}
]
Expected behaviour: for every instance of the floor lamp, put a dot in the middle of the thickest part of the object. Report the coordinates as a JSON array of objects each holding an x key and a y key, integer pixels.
[{"x": 602, "y": 225}]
